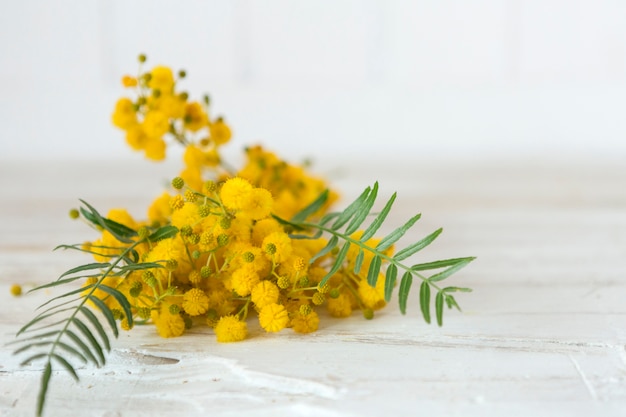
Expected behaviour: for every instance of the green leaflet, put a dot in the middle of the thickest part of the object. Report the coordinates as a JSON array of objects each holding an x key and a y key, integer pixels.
[
  {"x": 379, "y": 220},
  {"x": 311, "y": 208},
  {"x": 373, "y": 271},
  {"x": 417, "y": 246},
  {"x": 425, "y": 300},
  {"x": 164, "y": 232},
  {"x": 358, "y": 263},
  {"x": 45, "y": 379},
  {"x": 394, "y": 236},
  {"x": 439, "y": 307},
  {"x": 96, "y": 324},
  {"x": 403, "y": 292},
  {"x": 362, "y": 211},
  {"x": 341, "y": 256},
  {"x": 332, "y": 242},
  {"x": 119, "y": 231},
  {"x": 345, "y": 215},
  {"x": 121, "y": 299},
  {"x": 390, "y": 280},
  {"x": 451, "y": 270}
]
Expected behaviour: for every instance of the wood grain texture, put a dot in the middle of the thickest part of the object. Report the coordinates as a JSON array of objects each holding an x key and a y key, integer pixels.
[{"x": 543, "y": 333}]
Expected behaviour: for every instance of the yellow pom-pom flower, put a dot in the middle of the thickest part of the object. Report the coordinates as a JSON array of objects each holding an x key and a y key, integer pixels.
[
  {"x": 282, "y": 243},
  {"x": 167, "y": 324},
  {"x": 230, "y": 329},
  {"x": 124, "y": 115},
  {"x": 162, "y": 79},
  {"x": 236, "y": 193},
  {"x": 244, "y": 279},
  {"x": 273, "y": 317},
  {"x": 306, "y": 324},
  {"x": 195, "y": 302},
  {"x": 220, "y": 132},
  {"x": 264, "y": 293}
]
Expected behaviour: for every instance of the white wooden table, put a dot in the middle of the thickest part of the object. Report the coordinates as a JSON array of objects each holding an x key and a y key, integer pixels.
[{"x": 543, "y": 333}]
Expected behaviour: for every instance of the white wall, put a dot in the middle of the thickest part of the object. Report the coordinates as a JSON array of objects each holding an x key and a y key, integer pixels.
[{"x": 482, "y": 77}]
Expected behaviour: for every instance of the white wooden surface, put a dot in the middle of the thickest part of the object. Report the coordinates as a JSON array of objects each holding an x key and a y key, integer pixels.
[{"x": 543, "y": 333}]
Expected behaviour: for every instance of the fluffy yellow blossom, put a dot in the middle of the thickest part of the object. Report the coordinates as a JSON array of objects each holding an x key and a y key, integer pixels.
[
  {"x": 168, "y": 324},
  {"x": 173, "y": 106},
  {"x": 263, "y": 228},
  {"x": 264, "y": 293},
  {"x": 305, "y": 323},
  {"x": 155, "y": 149},
  {"x": 195, "y": 302},
  {"x": 187, "y": 215},
  {"x": 128, "y": 81},
  {"x": 136, "y": 137},
  {"x": 220, "y": 132},
  {"x": 16, "y": 290},
  {"x": 244, "y": 279},
  {"x": 124, "y": 115},
  {"x": 230, "y": 329},
  {"x": 160, "y": 210},
  {"x": 273, "y": 317},
  {"x": 282, "y": 243},
  {"x": 259, "y": 205},
  {"x": 372, "y": 297},
  {"x": 236, "y": 193},
  {"x": 162, "y": 79},
  {"x": 340, "y": 306},
  {"x": 195, "y": 117},
  {"x": 156, "y": 124}
]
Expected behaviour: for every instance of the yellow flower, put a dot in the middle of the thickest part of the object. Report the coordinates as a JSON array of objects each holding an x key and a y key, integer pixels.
[
  {"x": 373, "y": 297},
  {"x": 195, "y": 117},
  {"x": 263, "y": 228},
  {"x": 340, "y": 306},
  {"x": 220, "y": 132},
  {"x": 235, "y": 193},
  {"x": 16, "y": 290},
  {"x": 244, "y": 279},
  {"x": 155, "y": 149},
  {"x": 171, "y": 105},
  {"x": 128, "y": 81},
  {"x": 188, "y": 215},
  {"x": 230, "y": 329},
  {"x": 156, "y": 124},
  {"x": 167, "y": 324},
  {"x": 160, "y": 210},
  {"x": 124, "y": 115},
  {"x": 136, "y": 138},
  {"x": 264, "y": 293},
  {"x": 161, "y": 79},
  {"x": 307, "y": 323},
  {"x": 259, "y": 205},
  {"x": 273, "y": 317},
  {"x": 282, "y": 243},
  {"x": 195, "y": 302}
]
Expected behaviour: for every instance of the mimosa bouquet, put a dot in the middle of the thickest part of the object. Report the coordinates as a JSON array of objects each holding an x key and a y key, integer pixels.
[{"x": 224, "y": 246}]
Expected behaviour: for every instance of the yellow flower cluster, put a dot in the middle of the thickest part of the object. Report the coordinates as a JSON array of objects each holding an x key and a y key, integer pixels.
[{"x": 231, "y": 259}]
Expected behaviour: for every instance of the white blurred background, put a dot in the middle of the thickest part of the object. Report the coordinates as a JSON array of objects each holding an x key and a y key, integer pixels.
[{"x": 482, "y": 78}]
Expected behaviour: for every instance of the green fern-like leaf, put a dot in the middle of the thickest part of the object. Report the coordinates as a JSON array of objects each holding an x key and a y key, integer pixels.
[
  {"x": 67, "y": 330},
  {"x": 341, "y": 226}
]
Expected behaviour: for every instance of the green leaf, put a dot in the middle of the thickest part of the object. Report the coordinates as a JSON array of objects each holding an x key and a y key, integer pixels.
[
  {"x": 71, "y": 349},
  {"x": 393, "y": 237},
  {"x": 456, "y": 289},
  {"x": 89, "y": 335},
  {"x": 32, "y": 345},
  {"x": 363, "y": 211},
  {"x": 121, "y": 299},
  {"x": 87, "y": 267},
  {"x": 139, "y": 267},
  {"x": 106, "y": 311},
  {"x": 417, "y": 246},
  {"x": 373, "y": 271},
  {"x": 451, "y": 302},
  {"x": 118, "y": 230},
  {"x": 66, "y": 365},
  {"x": 39, "y": 318},
  {"x": 332, "y": 242},
  {"x": 345, "y": 215},
  {"x": 451, "y": 270},
  {"x": 379, "y": 220},
  {"x": 341, "y": 256},
  {"x": 43, "y": 387},
  {"x": 390, "y": 280},
  {"x": 403, "y": 292},
  {"x": 86, "y": 352},
  {"x": 164, "y": 232},
  {"x": 67, "y": 294},
  {"x": 358, "y": 263},
  {"x": 425, "y": 300},
  {"x": 33, "y": 358},
  {"x": 312, "y": 208},
  {"x": 35, "y": 337},
  {"x": 439, "y": 264},
  {"x": 96, "y": 324},
  {"x": 439, "y": 307},
  {"x": 56, "y": 283}
]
